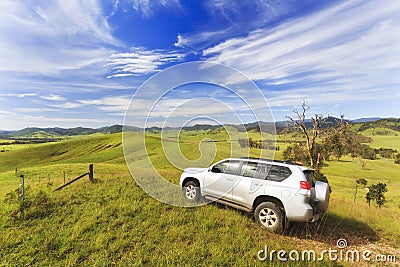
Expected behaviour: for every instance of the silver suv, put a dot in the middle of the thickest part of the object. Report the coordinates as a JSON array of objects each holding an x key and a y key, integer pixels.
[{"x": 276, "y": 192}]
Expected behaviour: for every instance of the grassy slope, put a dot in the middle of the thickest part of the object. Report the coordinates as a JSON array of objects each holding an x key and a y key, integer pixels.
[
  {"x": 102, "y": 148},
  {"x": 114, "y": 222}
]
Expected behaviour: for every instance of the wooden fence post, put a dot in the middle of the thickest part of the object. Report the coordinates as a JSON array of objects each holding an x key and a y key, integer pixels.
[{"x": 91, "y": 173}]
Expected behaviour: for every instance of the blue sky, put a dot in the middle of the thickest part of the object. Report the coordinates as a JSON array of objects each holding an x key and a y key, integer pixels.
[{"x": 78, "y": 63}]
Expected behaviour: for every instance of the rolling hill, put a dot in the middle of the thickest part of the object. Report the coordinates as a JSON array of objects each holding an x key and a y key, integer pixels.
[{"x": 114, "y": 222}]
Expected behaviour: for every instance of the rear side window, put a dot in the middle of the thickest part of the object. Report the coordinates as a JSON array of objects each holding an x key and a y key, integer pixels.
[
  {"x": 254, "y": 170},
  {"x": 227, "y": 167},
  {"x": 278, "y": 173}
]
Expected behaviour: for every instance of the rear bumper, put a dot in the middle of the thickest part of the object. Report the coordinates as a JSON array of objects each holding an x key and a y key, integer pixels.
[{"x": 304, "y": 213}]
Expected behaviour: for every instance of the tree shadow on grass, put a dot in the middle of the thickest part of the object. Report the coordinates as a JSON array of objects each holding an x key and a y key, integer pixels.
[{"x": 333, "y": 227}]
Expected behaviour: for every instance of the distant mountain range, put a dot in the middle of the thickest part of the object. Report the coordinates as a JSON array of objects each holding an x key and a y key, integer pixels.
[
  {"x": 35, "y": 132},
  {"x": 366, "y": 119}
]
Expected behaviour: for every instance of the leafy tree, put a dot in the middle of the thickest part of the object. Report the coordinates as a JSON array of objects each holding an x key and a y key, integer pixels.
[
  {"x": 341, "y": 140},
  {"x": 367, "y": 152},
  {"x": 364, "y": 151},
  {"x": 361, "y": 182},
  {"x": 338, "y": 139},
  {"x": 377, "y": 193},
  {"x": 296, "y": 153},
  {"x": 386, "y": 152}
]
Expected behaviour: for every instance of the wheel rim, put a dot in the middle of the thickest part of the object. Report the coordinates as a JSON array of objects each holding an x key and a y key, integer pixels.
[
  {"x": 190, "y": 192},
  {"x": 268, "y": 217}
]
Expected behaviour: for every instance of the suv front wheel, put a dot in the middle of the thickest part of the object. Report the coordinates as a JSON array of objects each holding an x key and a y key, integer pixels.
[
  {"x": 191, "y": 190},
  {"x": 269, "y": 216}
]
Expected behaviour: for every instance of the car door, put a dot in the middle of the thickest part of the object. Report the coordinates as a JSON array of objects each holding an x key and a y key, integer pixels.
[
  {"x": 218, "y": 182},
  {"x": 250, "y": 183}
]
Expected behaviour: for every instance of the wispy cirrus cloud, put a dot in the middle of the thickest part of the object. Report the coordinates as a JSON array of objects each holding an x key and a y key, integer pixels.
[
  {"x": 53, "y": 97},
  {"x": 140, "y": 61},
  {"x": 110, "y": 103},
  {"x": 234, "y": 18},
  {"x": 22, "y": 95},
  {"x": 348, "y": 51},
  {"x": 67, "y": 105},
  {"x": 145, "y": 8},
  {"x": 261, "y": 11},
  {"x": 201, "y": 39},
  {"x": 45, "y": 37}
]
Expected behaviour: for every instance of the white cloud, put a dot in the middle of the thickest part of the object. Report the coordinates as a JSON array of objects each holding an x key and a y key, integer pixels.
[
  {"x": 110, "y": 103},
  {"x": 179, "y": 41},
  {"x": 147, "y": 8},
  {"x": 201, "y": 39},
  {"x": 352, "y": 48},
  {"x": 35, "y": 110},
  {"x": 45, "y": 37},
  {"x": 52, "y": 97},
  {"x": 140, "y": 61},
  {"x": 68, "y": 105},
  {"x": 261, "y": 11},
  {"x": 235, "y": 18},
  {"x": 22, "y": 95}
]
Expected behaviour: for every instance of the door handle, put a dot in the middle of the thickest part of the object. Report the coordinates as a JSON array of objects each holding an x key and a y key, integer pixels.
[{"x": 229, "y": 179}]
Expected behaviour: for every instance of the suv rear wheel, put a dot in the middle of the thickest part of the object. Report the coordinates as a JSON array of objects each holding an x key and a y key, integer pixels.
[
  {"x": 269, "y": 216},
  {"x": 192, "y": 191}
]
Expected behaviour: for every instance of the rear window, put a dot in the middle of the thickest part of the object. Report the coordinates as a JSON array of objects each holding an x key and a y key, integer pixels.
[
  {"x": 265, "y": 171},
  {"x": 310, "y": 175},
  {"x": 278, "y": 173}
]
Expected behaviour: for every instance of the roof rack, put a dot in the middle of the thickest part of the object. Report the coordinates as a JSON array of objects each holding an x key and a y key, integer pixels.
[{"x": 273, "y": 160}]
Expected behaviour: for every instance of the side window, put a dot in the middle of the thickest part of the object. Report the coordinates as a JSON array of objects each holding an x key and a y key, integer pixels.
[
  {"x": 262, "y": 171},
  {"x": 249, "y": 169},
  {"x": 227, "y": 167},
  {"x": 278, "y": 173},
  {"x": 255, "y": 170}
]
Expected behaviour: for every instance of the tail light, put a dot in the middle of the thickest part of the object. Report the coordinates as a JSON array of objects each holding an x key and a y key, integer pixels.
[{"x": 305, "y": 185}]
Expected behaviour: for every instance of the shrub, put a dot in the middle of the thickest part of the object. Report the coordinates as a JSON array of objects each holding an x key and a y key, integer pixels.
[
  {"x": 377, "y": 192},
  {"x": 397, "y": 159},
  {"x": 36, "y": 204},
  {"x": 386, "y": 152}
]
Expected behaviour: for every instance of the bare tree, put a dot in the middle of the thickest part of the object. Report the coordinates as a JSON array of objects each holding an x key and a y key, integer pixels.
[
  {"x": 298, "y": 123},
  {"x": 361, "y": 182}
]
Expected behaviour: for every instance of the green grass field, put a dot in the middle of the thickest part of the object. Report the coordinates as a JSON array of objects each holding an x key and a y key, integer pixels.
[{"x": 114, "y": 222}]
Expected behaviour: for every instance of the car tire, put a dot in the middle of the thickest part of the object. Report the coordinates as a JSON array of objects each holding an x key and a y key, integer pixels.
[
  {"x": 191, "y": 191},
  {"x": 322, "y": 194},
  {"x": 270, "y": 216}
]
